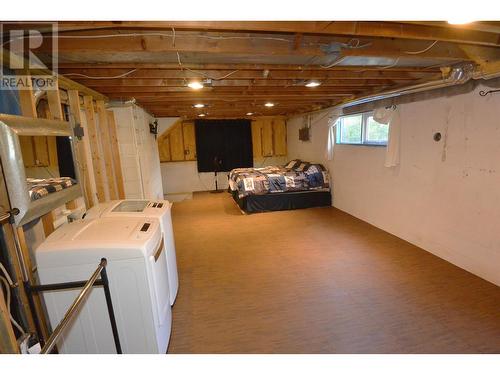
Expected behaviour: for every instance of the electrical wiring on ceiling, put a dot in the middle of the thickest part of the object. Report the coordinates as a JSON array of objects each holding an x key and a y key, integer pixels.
[
  {"x": 102, "y": 77},
  {"x": 356, "y": 44},
  {"x": 336, "y": 62},
  {"x": 422, "y": 51},
  {"x": 169, "y": 35},
  {"x": 396, "y": 61},
  {"x": 203, "y": 73}
]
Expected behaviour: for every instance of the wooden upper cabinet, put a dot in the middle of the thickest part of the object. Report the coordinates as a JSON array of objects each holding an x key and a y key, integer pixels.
[
  {"x": 164, "y": 147},
  {"x": 28, "y": 151},
  {"x": 257, "y": 139},
  {"x": 38, "y": 151},
  {"x": 41, "y": 151},
  {"x": 179, "y": 142},
  {"x": 267, "y": 138},
  {"x": 176, "y": 144},
  {"x": 189, "y": 138},
  {"x": 279, "y": 137}
]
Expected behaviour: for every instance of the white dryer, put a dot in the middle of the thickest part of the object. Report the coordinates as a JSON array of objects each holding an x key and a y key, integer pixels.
[
  {"x": 160, "y": 209},
  {"x": 138, "y": 281}
]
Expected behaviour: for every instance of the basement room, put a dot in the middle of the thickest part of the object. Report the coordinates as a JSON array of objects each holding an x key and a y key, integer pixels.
[{"x": 253, "y": 185}]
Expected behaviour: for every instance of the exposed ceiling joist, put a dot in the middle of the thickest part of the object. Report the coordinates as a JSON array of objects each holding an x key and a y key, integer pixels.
[
  {"x": 242, "y": 74},
  {"x": 249, "y": 63},
  {"x": 380, "y": 29}
]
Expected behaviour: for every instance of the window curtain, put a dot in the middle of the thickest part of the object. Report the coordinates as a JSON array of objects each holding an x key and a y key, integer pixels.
[
  {"x": 223, "y": 144},
  {"x": 330, "y": 141},
  {"x": 391, "y": 117}
]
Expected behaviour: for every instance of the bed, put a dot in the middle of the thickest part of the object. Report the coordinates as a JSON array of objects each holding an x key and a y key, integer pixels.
[
  {"x": 41, "y": 187},
  {"x": 32, "y": 197},
  {"x": 297, "y": 184}
]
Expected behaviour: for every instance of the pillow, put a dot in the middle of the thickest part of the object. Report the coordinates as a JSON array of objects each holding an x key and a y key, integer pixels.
[
  {"x": 292, "y": 164},
  {"x": 302, "y": 166}
]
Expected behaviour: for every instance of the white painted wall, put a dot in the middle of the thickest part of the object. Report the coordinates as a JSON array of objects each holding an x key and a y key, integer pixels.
[
  {"x": 444, "y": 196},
  {"x": 183, "y": 176}
]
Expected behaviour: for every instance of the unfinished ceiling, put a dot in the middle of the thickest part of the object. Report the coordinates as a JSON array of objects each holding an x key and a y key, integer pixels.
[{"x": 244, "y": 65}]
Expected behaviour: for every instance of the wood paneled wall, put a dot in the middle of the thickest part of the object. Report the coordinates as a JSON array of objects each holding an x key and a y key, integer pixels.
[
  {"x": 268, "y": 139},
  {"x": 178, "y": 143}
]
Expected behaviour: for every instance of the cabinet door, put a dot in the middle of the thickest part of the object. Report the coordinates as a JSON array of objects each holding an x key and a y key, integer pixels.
[
  {"x": 256, "y": 139},
  {"x": 279, "y": 137},
  {"x": 267, "y": 138},
  {"x": 28, "y": 151},
  {"x": 188, "y": 133},
  {"x": 164, "y": 148},
  {"x": 176, "y": 144},
  {"x": 52, "y": 147},
  {"x": 41, "y": 151}
]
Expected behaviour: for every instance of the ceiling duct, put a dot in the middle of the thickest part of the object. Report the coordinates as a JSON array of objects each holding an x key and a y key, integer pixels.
[{"x": 457, "y": 76}]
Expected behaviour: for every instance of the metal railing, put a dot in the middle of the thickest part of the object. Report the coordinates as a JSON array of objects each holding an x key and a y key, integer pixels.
[{"x": 78, "y": 302}]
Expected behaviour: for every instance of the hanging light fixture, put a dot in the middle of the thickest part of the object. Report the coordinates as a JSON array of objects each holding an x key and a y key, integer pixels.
[
  {"x": 199, "y": 105},
  {"x": 269, "y": 104}
]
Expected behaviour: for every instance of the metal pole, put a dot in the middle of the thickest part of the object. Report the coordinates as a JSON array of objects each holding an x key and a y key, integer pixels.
[
  {"x": 79, "y": 300},
  {"x": 111, "y": 312},
  {"x": 31, "y": 303}
]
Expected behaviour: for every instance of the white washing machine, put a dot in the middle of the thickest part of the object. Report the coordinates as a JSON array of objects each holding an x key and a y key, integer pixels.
[
  {"x": 138, "y": 282},
  {"x": 160, "y": 209}
]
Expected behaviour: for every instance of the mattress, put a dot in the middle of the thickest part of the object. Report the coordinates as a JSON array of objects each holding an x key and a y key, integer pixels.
[
  {"x": 296, "y": 175},
  {"x": 39, "y": 188}
]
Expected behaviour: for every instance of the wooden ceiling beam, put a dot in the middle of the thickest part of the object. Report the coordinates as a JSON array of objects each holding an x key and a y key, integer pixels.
[
  {"x": 191, "y": 44},
  {"x": 179, "y": 85},
  {"x": 137, "y": 43},
  {"x": 243, "y": 74},
  {"x": 485, "y": 26},
  {"x": 135, "y": 46},
  {"x": 210, "y": 96},
  {"x": 297, "y": 67},
  {"x": 63, "y": 82},
  {"x": 382, "y": 29}
]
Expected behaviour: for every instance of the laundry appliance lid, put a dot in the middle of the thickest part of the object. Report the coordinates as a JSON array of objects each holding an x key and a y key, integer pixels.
[
  {"x": 113, "y": 238},
  {"x": 153, "y": 208}
]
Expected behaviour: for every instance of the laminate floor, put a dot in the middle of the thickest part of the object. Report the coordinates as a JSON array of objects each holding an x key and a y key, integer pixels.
[{"x": 318, "y": 281}]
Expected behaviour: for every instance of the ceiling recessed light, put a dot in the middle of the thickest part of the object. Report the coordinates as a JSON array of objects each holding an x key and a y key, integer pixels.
[
  {"x": 199, "y": 105},
  {"x": 269, "y": 104},
  {"x": 249, "y": 113},
  {"x": 313, "y": 84},
  {"x": 196, "y": 85},
  {"x": 459, "y": 21},
  {"x": 201, "y": 115}
]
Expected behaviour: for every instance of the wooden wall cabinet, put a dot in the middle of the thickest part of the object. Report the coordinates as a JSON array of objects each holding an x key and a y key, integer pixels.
[
  {"x": 269, "y": 137},
  {"x": 179, "y": 142},
  {"x": 38, "y": 151}
]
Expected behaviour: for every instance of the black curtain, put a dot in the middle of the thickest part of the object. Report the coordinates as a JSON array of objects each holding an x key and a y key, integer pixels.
[
  {"x": 65, "y": 157},
  {"x": 226, "y": 143}
]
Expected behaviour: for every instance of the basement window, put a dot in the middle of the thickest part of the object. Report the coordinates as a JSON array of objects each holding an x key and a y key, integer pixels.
[{"x": 361, "y": 129}]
